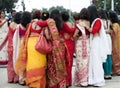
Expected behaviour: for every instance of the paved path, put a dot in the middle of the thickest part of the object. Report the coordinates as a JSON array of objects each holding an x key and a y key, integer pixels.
[{"x": 114, "y": 83}]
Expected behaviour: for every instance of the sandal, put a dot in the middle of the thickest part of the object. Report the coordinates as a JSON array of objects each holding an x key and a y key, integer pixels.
[
  {"x": 22, "y": 82},
  {"x": 108, "y": 77}
]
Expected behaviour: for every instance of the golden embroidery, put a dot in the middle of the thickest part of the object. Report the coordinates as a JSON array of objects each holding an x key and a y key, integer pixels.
[
  {"x": 52, "y": 23},
  {"x": 56, "y": 35}
]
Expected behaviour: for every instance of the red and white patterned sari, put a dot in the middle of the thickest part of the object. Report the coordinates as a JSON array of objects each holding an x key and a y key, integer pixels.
[
  {"x": 3, "y": 43},
  {"x": 82, "y": 59}
]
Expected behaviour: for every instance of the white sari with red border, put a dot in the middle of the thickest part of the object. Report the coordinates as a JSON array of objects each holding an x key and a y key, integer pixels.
[{"x": 3, "y": 44}]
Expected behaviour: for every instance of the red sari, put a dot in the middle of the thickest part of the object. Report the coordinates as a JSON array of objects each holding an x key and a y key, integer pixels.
[
  {"x": 12, "y": 76},
  {"x": 56, "y": 71},
  {"x": 67, "y": 34}
]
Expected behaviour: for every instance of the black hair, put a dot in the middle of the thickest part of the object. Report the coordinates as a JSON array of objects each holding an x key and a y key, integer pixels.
[
  {"x": 107, "y": 14},
  {"x": 113, "y": 17},
  {"x": 84, "y": 14},
  {"x": 93, "y": 13},
  {"x": 45, "y": 15},
  {"x": 26, "y": 18},
  {"x": 76, "y": 16},
  {"x": 13, "y": 11},
  {"x": 65, "y": 16},
  {"x": 102, "y": 14},
  {"x": 17, "y": 18},
  {"x": 55, "y": 14},
  {"x": 2, "y": 11},
  {"x": 35, "y": 14}
]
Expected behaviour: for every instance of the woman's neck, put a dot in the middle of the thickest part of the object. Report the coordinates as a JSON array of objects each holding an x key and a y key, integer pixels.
[{"x": 22, "y": 27}]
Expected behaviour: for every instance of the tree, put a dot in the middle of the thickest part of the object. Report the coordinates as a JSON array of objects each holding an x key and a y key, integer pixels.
[
  {"x": 117, "y": 6},
  {"x": 23, "y": 5},
  {"x": 100, "y": 4},
  {"x": 7, "y": 5}
]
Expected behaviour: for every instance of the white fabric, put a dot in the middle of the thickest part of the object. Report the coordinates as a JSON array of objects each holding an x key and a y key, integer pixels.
[
  {"x": 95, "y": 73},
  {"x": 81, "y": 28},
  {"x": 103, "y": 44},
  {"x": 106, "y": 26},
  {"x": 109, "y": 40},
  {"x": 16, "y": 44},
  {"x": 98, "y": 55},
  {"x": 17, "y": 41},
  {"x": 3, "y": 35}
]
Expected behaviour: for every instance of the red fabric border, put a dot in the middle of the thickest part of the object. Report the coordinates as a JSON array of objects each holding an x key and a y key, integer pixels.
[{"x": 3, "y": 62}]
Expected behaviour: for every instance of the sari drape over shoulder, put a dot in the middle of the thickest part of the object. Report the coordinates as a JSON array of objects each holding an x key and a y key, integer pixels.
[
  {"x": 98, "y": 54},
  {"x": 21, "y": 54},
  {"x": 56, "y": 69}
]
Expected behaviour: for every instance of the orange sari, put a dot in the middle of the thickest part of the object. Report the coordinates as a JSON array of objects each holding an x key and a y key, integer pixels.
[
  {"x": 30, "y": 63},
  {"x": 116, "y": 48}
]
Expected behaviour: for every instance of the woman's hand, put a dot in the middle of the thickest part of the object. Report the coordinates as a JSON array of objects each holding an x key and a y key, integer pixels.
[{"x": 76, "y": 35}]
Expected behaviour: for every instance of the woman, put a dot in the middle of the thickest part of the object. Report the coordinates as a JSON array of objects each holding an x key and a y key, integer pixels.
[
  {"x": 76, "y": 21},
  {"x": 107, "y": 65},
  {"x": 12, "y": 77},
  {"x": 82, "y": 49},
  {"x": 67, "y": 32},
  {"x": 17, "y": 42},
  {"x": 36, "y": 61},
  {"x": 98, "y": 53},
  {"x": 3, "y": 38},
  {"x": 115, "y": 35},
  {"x": 56, "y": 69}
]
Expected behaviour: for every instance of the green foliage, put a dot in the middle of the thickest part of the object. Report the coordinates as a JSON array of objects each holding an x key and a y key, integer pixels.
[
  {"x": 23, "y": 5},
  {"x": 117, "y": 6},
  {"x": 61, "y": 8},
  {"x": 100, "y": 4},
  {"x": 7, "y": 4}
]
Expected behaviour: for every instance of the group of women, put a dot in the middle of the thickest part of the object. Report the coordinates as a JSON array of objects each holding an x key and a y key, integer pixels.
[
  {"x": 96, "y": 55},
  {"x": 93, "y": 36}
]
